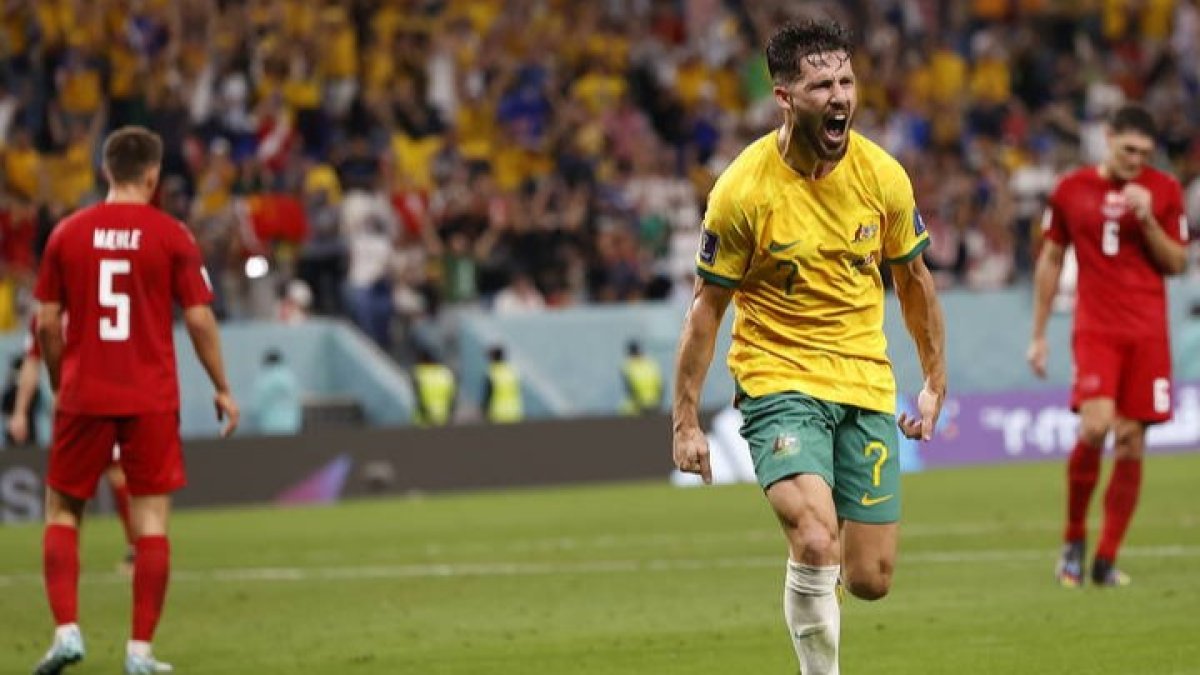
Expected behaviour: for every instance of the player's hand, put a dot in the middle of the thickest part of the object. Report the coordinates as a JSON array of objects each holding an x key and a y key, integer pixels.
[
  {"x": 1036, "y": 356},
  {"x": 1139, "y": 200},
  {"x": 691, "y": 452},
  {"x": 18, "y": 428},
  {"x": 227, "y": 411},
  {"x": 929, "y": 406}
]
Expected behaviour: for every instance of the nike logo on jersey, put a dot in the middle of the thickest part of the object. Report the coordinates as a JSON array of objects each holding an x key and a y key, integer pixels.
[
  {"x": 868, "y": 500},
  {"x": 776, "y": 247}
]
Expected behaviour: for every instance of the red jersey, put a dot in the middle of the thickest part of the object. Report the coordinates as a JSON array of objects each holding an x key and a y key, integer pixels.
[
  {"x": 1121, "y": 291},
  {"x": 118, "y": 270}
]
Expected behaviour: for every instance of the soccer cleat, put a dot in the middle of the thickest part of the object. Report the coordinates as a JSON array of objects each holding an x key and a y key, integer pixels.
[
  {"x": 145, "y": 665},
  {"x": 67, "y": 649},
  {"x": 1105, "y": 574},
  {"x": 1069, "y": 570}
]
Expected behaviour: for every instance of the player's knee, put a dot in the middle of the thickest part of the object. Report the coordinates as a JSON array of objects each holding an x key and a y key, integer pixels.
[
  {"x": 813, "y": 544},
  {"x": 869, "y": 589},
  {"x": 870, "y": 584},
  {"x": 1130, "y": 444},
  {"x": 63, "y": 509},
  {"x": 1093, "y": 430}
]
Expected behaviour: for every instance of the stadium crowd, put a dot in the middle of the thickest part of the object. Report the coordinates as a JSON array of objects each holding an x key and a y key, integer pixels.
[{"x": 388, "y": 158}]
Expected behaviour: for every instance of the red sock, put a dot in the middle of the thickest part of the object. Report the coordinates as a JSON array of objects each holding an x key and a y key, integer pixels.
[
  {"x": 1120, "y": 500},
  {"x": 151, "y": 568},
  {"x": 60, "y": 568},
  {"x": 1083, "y": 470},
  {"x": 121, "y": 500}
]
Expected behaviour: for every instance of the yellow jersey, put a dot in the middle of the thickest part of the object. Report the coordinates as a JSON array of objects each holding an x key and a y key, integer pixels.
[{"x": 803, "y": 257}]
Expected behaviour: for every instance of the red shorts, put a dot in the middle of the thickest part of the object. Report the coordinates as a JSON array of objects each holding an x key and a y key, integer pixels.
[
  {"x": 151, "y": 453},
  {"x": 1135, "y": 372}
]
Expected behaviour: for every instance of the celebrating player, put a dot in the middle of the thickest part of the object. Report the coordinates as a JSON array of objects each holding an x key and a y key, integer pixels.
[
  {"x": 118, "y": 268},
  {"x": 1126, "y": 222},
  {"x": 794, "y": 234}
]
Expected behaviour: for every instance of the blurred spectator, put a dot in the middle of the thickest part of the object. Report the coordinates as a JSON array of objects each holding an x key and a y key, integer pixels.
[
  {"x": 295, "y": 303},
  {"x": 275, "y": 406},
  {"x": 368, "y": 292},
  {"x": 502, "y": 400},
  {"x": 23, "y": 165},
  {"x": 642, "y": 379},
  {"x": 575, "y": 141},
  {"x": 436, "y": 389},
  {"x": 18, "y": 233},
  {"x": 519, "y": 296},
  {"x": 322, "y": 258}
]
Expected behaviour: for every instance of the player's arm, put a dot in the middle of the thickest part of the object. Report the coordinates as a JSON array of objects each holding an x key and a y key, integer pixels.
[
  {"x": 27, "y": 383},
  {"x": 904, "y": 241},
  {"x": 48, "y": 327},
  {"x": 1168, "y": 254},
  {"x": 1045, "y": 285},
  {"x": 191, "y": 289},
  {"x": 726, "y": 248},
  {"x": 206, "y": 340},
  {"x": 1056, "y": 236},
  {"x": 50, "y": 339},
  {"x": 696, "y": 345},
  {"x": 923, "y": 315}
]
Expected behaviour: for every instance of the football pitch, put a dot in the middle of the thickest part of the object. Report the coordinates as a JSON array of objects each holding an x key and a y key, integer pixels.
[{"x": 636, "y": 578}]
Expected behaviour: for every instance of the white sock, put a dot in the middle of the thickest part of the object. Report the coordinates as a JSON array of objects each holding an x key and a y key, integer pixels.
[
  {"x": 138, "y": 648},
  {"x": 814, "y": 619},
  {"x": 67, "y": 628}
]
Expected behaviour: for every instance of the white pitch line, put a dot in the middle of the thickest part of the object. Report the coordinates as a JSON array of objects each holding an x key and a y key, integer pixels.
[
  {"x": 621, "y": 540},
  {"x": 509, "y": 569}
]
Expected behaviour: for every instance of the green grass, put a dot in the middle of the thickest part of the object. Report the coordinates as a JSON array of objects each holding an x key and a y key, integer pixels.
[{"x": 630, "y": 579}]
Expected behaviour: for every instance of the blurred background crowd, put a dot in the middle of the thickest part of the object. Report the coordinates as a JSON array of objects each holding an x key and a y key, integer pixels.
[{"x": 390, "y": 160}]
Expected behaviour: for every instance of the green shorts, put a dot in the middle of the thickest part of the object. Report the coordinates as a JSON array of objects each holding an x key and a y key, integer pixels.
[{"x": 853, "y": 449}]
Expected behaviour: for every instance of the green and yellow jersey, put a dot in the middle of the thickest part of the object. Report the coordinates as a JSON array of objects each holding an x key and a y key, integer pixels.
[{"x": 803, "y": 256}]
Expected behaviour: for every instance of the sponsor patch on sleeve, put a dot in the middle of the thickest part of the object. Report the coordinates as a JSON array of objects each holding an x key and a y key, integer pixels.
[
  {"x": 918, "y": 223},
  {"x": 709, "y": 242}
]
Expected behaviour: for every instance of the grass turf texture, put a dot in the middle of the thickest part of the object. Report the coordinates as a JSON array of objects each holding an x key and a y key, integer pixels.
[{"x": 630, "y": 579}]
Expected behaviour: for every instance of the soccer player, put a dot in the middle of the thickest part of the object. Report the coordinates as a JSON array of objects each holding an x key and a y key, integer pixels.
[
  {"x": 1126, "y": 222},
  {"x": 18, "y": 428},
  {"x": 794, "y": 234},
  {"x": 118, "y": 268}
]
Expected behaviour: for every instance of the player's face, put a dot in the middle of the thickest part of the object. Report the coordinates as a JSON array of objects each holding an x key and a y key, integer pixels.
[
  {"x": 1128, "y": 152},
  {"x": 822, "y": 102}
]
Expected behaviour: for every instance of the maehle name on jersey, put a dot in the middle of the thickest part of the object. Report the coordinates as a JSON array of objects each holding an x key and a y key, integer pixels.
[{"x": 117, "y": 240}]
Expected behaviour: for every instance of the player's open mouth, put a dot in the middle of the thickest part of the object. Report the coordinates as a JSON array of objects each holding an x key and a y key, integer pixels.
[{"x": 835, "y": 127}]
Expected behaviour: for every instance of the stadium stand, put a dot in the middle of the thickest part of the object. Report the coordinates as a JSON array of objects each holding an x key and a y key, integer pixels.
[{"x": 417, "y": 166}]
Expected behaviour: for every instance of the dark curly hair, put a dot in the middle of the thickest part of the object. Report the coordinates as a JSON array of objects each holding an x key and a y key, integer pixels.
[{"x": 798, "y": 41}]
